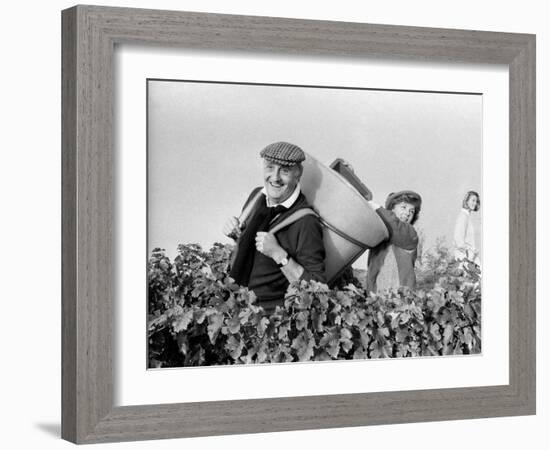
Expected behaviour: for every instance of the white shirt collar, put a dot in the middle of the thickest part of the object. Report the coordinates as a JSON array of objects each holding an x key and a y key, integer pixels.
[{"x": 288, "y": 202}]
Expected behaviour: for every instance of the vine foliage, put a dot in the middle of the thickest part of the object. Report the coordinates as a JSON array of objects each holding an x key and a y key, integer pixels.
[{"x": 198, "y": 316}]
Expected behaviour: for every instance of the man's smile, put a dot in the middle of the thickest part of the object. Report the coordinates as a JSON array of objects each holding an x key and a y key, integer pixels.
[{"x": 280, "y": 181}]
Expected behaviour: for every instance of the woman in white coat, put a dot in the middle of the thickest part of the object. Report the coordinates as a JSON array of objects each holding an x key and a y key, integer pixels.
[{"x": 464, "y": 233}]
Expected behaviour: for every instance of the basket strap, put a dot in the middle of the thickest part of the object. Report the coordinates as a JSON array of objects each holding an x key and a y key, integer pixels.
[
  {"x": 245, "y": 214},
  {"x": 307, "y": 211},
  {"x": 293, "y": 218},
  {"x": 346, "y": 236}
]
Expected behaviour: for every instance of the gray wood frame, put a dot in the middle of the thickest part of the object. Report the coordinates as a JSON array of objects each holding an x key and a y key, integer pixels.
[{"x": 89, "y": 36}]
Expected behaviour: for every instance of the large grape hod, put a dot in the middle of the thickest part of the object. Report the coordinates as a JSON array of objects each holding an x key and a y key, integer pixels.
[{"x": 351, "y": 226}]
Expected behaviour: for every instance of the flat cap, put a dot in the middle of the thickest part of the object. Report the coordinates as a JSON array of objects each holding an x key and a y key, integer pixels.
[{"x": 283, "y": 153}]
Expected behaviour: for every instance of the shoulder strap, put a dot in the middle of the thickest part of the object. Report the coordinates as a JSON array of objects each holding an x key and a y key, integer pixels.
[
  {"x": 292, "y": 218},
  {"x": 245, "y": 214}
]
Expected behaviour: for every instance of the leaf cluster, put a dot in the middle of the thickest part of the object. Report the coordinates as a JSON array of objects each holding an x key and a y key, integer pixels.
[{"x": 199, "y": 316}]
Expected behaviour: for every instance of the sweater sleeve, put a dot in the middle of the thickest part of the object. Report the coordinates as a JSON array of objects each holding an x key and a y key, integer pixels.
[
  {"x": 402, "y": 234},
  {"x": 310, "y": 249}
]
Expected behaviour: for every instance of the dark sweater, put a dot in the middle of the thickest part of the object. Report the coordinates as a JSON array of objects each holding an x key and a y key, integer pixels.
[
  {"x": 402, "y": 242},
  {"x": 302, "y": 240}
]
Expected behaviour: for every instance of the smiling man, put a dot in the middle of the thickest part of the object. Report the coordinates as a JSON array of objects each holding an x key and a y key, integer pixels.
[{"x": 267, "y": 261}]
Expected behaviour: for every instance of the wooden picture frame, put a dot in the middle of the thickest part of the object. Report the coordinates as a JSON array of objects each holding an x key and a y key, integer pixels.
[{"x": 89, "y": 36}]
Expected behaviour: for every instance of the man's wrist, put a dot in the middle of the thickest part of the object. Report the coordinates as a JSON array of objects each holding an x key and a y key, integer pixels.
[{"x": 281, "y": 258}]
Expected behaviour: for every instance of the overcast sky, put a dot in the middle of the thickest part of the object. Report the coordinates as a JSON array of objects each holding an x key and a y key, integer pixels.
[{"x": 204, "y": 142}]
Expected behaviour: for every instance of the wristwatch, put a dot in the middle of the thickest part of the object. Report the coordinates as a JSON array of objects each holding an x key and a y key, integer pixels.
[{"x": 283, "y": 262}]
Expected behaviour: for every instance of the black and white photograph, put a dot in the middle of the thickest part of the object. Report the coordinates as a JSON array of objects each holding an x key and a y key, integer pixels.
[
  {"x": 275, "y": 225},
  {"x": 303, "y": 223}
]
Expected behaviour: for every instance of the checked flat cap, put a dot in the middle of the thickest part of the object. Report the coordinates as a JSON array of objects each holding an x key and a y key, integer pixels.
[{"x": 283, "y": 153}]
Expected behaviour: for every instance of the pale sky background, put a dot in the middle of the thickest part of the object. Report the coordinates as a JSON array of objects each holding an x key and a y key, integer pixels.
[{"x": 204, "y": 141}]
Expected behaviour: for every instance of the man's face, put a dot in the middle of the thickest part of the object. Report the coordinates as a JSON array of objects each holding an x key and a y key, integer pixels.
[
  {"x": 404, "y": 211},
  {"x": 280, "y": 181}
]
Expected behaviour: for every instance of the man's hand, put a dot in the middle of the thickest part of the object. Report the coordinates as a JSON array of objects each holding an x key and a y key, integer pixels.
[
  {"x": 231, "y": 228},
  {"x": 267, "y": 244}
]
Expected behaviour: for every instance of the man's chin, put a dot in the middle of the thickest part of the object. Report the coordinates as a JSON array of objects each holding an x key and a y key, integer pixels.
[{"x": 275, "y": 196}]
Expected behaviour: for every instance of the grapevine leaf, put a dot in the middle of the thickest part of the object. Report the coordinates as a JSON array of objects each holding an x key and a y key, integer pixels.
[
  {"x": 183, "y": 343},
  {"x": 402, "y": 334},
  {"x": 304, "y": 344},
  {"x": 434, "y": 331},
  {"x": 404, "y": 318},
  {"x": 365, "y": 338},
  {"x": 301, "y": 320},
  {"x": 344, "y": 299},
  {"x": 215, "y": 322},
  {"x": 350, "y": 318},
  {"x": 468, "y": 337},
  {"x": 234, "y": 324},
  {"x": 305, "y": 301},
  {"x": 448, "y": 333},
  {"x": 317, "y": 319},
  {"x": 262, "y": 326},
  {"x": 183, "y": 321},
  {"x": 282, "y": 354},
  {"x": 331, "y": 342},
  {"x": 283, "y": 330},
  {"x": 345, "y": 339},
  {"x": 383, "y": 332},
  {"x": 360, "y": 353},
  {"x": 244, "y": 315},
  {"x": 323, "y": 356},
  {"x": 261, "y": 352},
  {"x": 323, "y": 300},
  {"x": 200, "y": 315},
  {"x": 448, "y": 349},
  {"x": 248, "y": 357},
  {"x": 235, "y": 346}
]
